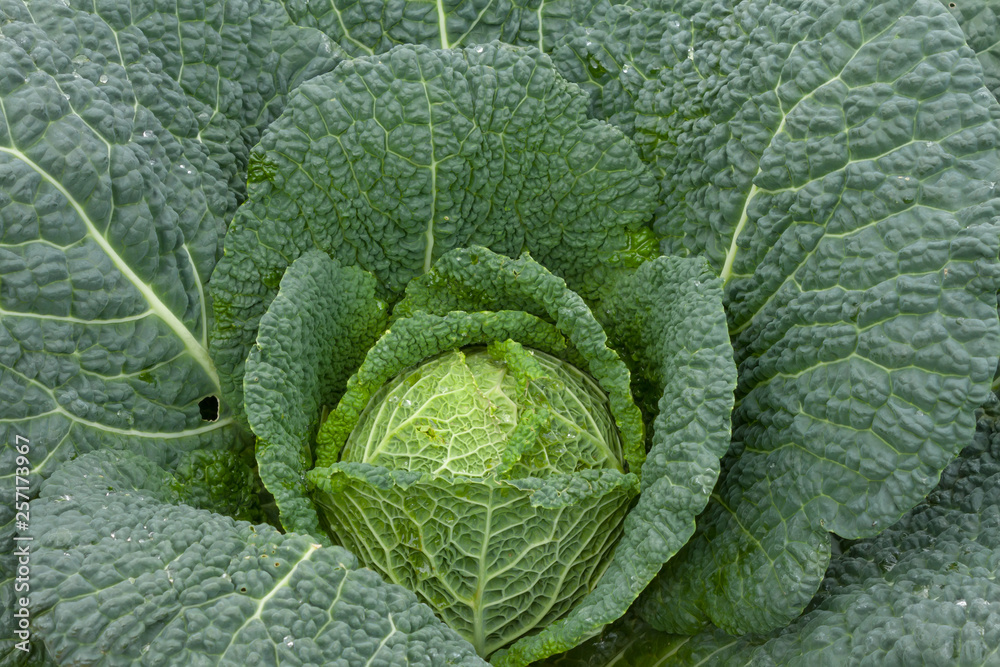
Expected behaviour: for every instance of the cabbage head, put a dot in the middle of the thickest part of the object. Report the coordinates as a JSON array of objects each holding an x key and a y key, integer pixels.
[
  {"x": 489, "y": 448},
  {"x": 488, "y": 480}
]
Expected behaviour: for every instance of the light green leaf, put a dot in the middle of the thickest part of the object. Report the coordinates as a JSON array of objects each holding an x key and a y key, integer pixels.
[
  {"x": 475, "y": 279},
  {"x": 495, "y": 558},
  {"x": 502, "y": 409},
  {"x": 414, "y": 339},
  {"x": 383, "y": 513},
  {"x": 668, "y": 321}
]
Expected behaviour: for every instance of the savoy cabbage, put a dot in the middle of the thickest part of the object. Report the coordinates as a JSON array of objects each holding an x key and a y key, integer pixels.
[{"x": 731, "y": 269}]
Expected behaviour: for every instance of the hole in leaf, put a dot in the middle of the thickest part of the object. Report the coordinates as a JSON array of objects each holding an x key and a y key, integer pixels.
[
  {"x": 951, "y": 4},
  {"x": 209, "y": 407}
]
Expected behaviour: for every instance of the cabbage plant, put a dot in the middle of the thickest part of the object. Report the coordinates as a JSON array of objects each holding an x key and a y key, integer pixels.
[{"x": 755, "y": 238}]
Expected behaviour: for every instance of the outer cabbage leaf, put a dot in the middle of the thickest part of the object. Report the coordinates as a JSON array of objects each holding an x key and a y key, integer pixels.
[
  {"x": 310, "y": 341},
  {"x": 980, "y": 21},
  {"x": 371, "y": 28},
  {"x": 836, "y": 164},
  {"x": 617, "y": 60},
  {"x": 390, "y": 161},
  {"x": 103, "y": 299},
  {"x": 102, "y": 305},
  {"x": 123, "y": 576},
  {"x": 922, "y": 592},
  {"x": 214, "y": 75},
  {"x": 103, "y": 321},
  {"x": 112, "y": 212},
  {"x": 201, "y": 209},
  {"x": 235, "y": 62}
]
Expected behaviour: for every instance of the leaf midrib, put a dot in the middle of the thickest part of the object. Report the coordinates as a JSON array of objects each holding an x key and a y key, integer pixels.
[{"x": 193, "y": 346}]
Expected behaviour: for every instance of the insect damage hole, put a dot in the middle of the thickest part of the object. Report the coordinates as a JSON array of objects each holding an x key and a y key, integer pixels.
[{"x": 209, "y": 407}]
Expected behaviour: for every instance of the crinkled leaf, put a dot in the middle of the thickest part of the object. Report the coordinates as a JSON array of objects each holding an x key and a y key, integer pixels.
[
  {"x": 921, "y": 593},
  {"x": 235, "y": 62},
  {"x": 495, "y": 558},
  {"x": 980, "y": 21},
  {"x": 87, "y": 49},
  {"x": 835, "y": 163},
  {"x": 668, "y": 320},
  {"x": 102, "y": 312},
  {"x": 102, "y": 315},
  {"x": 123, "y": 576},
  {"x": 312, "y": 338},
  {"x": 112, "y": 209},
  {"x": 617, "y": 59},
  {"x": 390, "y": 161},
  {"x": 365, "y": 29}
]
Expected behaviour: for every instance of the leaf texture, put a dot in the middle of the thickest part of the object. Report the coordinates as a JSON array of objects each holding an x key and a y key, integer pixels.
[
  {"x": 495, "y": 558},
  {"x": 980, "y": 21},
  {"x": 366, "y": 29},
  {"x": 842, "y": 189},
  {"x": 390, "y": 161},
  {"x": 668, "y": 321},
  {"x": 114, "y": 194},
  {"x": 125, "y": 576},
  {"x": 310, "y": 341},
  {"x": 921, "y": 592}
]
